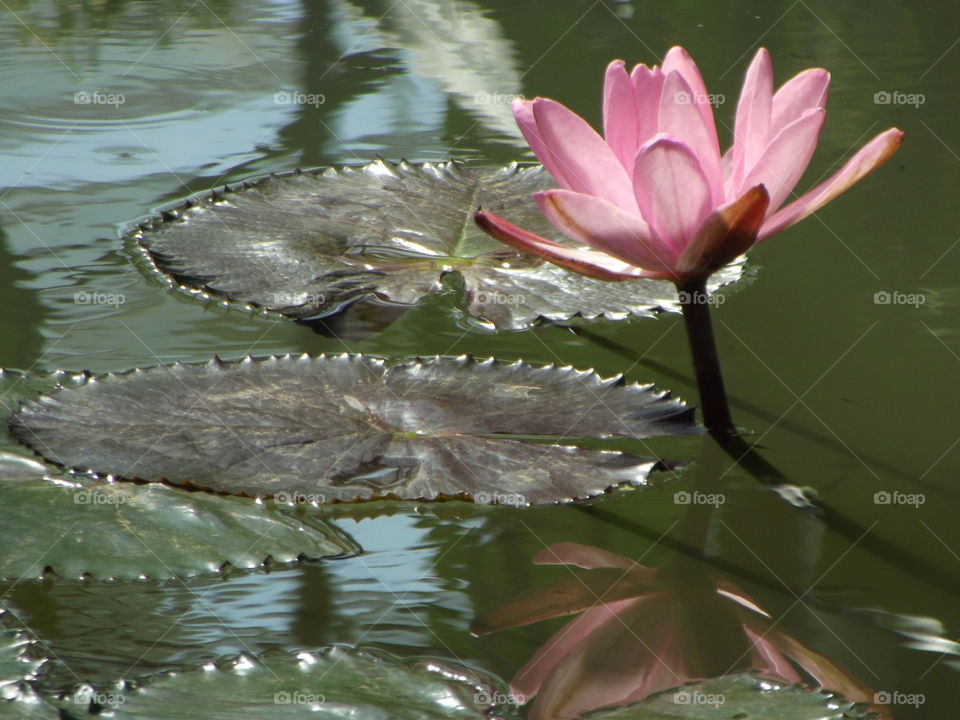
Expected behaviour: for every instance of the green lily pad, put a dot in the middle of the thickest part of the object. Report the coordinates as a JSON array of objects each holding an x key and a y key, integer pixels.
[
  {"x": 331, "y": 685},
  {"x": 351, "y": 427},
  {"x": 17, "y": 665},
  {"x": 14, "y": 467},
  {"x": 15, "y": 387},
  {"x": 114, "y": 531},
  {"x": 29, "y": 706},
  {"x": 306, "y": 244},
  {"x": 20, "y": 660},
  {"x": 742, "y": 696}
]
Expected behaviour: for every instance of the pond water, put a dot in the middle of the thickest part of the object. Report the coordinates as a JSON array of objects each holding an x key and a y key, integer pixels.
[{"x": 110, "y": 110}]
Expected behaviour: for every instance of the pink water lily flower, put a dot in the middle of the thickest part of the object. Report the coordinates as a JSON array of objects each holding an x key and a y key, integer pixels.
[
  {"x": 654, "y": 197},
  {"x": 640, "y": 631}
]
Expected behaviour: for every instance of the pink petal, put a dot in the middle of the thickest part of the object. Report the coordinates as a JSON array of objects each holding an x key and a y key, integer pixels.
[
  {"x": 727, "y": 233},
  {"x": 679, "y": 59},
  {"x": 827, "y": 673},
  {"x": 727, "y": 589},
  {"x": 769, "y": 660},
  {"x": 605, "y": 227},
  {"x": 665, "y": 629},
  {"x": 681, "y": 118},
  {"x": 672, "y": 191},
  {"x": 586, "y": 162},
  {"x": 786, "y": 158},
  {"x": 620, "y": 122},
  {"x": 647, "y": 89},
  {"x": 523, "y": 114},
  {"x": 804, "y": 91},
  {"x": 585, "y": 556},
  {"x": 752, "y": 123},
  {"x": 529, "y": 679},
  {"x": 869, "y": 158},
  {"x": 586, "y": 262},
  {"x": 634, "y": 654}
]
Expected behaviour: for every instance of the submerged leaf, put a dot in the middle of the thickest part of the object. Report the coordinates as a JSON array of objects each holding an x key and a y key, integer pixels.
[
  {"x": 741, "y": 696},
  {"x": 352, "y": 427},
  {"x": 305, "y": 244},
  {"x": 331, "y": 685},
  {"x": 112, "y": 531}
]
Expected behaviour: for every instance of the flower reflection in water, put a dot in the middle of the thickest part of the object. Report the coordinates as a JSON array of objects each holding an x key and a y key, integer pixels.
[{"x": 641, "y": 630}]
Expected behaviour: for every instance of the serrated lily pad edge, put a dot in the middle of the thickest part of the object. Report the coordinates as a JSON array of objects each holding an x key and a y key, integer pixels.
[
  {"x": 832, "y": 700},
  {"x": 227, "y": 569},
  {"x": 686, "y": 412},
  {"x": 20, "y": 692},
  {"x": 132, "y": 234},
  {"x": 486, "y": 687}
]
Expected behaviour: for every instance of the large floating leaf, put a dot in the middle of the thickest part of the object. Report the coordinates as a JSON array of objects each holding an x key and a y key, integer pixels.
[
  {"x": 15, "y": 387},
  {"x": 17, "y": 467},
  {"x": 30, "y": 706},
  {"x": 19, "y": 663},
  {"x": 352, "y": 427},
  {"x": 123, "y": 531},
  {"x": 307, "y": 243},
  {"x": 330, "y": 685},
  {"x": 17, "y": 666},
  {"x": 742, "y": 696}
]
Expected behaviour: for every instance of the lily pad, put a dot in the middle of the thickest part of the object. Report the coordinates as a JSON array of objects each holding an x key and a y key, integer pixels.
[
  {"x": 113, "y": 531},
  {"x": 19, "y": 663},
  {"x": 17, "y": 467},
  {"x": 15, "y": 387},
  {"x": 306, "y": 244},
  {"x": 17, "y": 666},
  {"x": 334, "y": 684},
  {"x": 352, "y": 427},
  {"x": 743, "y": 696},
  {"x": 29, "y": 707}
]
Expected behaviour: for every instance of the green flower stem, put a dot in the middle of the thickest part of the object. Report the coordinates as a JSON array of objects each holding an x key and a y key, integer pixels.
[{"x": 706, "y": 362}]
